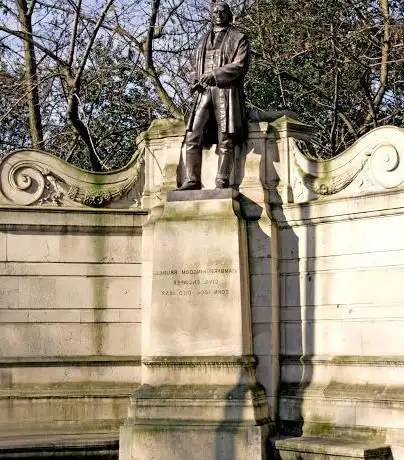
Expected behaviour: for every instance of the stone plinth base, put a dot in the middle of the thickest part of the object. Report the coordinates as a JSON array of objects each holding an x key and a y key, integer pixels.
[
  {"x": 322, "y": 448},
  {"x": 188, "y": 441},
  {"x": 185, "y": 442},
  {"x": 181, "y": 422}
]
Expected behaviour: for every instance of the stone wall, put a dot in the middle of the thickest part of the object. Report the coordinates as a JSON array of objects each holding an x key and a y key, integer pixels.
[
  {"x": 341, "y": 299},
  {"x": 70, "y": 309},
  {"x": 342, "y": 311},
  {"x": 325, "y": 265}
]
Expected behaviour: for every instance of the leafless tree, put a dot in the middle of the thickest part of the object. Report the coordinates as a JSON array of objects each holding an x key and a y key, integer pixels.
[{"x": 66, "y": 63}]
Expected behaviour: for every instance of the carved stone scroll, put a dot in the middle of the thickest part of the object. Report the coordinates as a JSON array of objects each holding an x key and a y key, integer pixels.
[
  {"x": 36, "y": 178},
  {"x": 374, "y": 163}
]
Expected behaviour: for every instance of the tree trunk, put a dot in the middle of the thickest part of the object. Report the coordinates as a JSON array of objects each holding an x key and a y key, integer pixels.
[
  {"x": 73, "y": 91},
  {"x": 82, "y": 130},
  {"x": 31, "y": 76}
]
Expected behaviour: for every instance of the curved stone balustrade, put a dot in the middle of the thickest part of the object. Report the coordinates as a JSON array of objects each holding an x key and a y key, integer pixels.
[
  {"x": 373, "y": 163},
  {"x": 31, "y": 177}
]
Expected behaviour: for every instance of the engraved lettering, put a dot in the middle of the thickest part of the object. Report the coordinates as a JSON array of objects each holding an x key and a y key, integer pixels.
[
  {"x": 186, "y": 282},
  {"x": 221, "y": 292},
  {"x": 195, "y": 281},
  {"x": 165, "y": 272}
]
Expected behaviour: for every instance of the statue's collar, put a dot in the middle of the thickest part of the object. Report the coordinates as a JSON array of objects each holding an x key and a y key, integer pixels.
[{"x": 217, "y": 29}]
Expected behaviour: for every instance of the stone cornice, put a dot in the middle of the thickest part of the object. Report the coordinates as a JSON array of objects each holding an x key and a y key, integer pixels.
[
  {"x": 338, "y": 208},
  {"x": 200, "y": 361},
  {"x": 78, "y": 220},
  {"x": 200, "y": 393},
  {"x": 71, "y": 361},
  {"x": 344, "y": 393},
  {"x": 68, "y": 391},
  {"x": 349, "y": 360},
  {"x": 162, "y": 129}
]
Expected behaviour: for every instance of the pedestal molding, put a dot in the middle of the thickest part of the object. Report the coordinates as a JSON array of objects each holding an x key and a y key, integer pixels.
[{"x": 201, "y": 361}]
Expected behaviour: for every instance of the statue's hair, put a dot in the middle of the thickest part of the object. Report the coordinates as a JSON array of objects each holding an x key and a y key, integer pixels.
[{"x": 226, "y": 6}]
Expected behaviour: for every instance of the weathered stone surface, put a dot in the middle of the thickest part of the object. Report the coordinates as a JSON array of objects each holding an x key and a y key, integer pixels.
[
  {"x": 339, "y": 327},
  {"x": 70, "y": 319},
  {"x": 374, "y": 163},
  {"x": 324, "y": 264},
  {"x": 90, "y": 447},
  {"x": 3, "y": 247},
  {"x": 199, "y": 391},
  {"x": 184, "y": 442},
  {"x": 200, "y": 281},
  {"x": 162, "y": 144},
  {"x": 197, "y": 195},
  {"x": 312, "y": 448},
  {"x": 32, "y": 177},
  {"x": 73, "y": 247},
  {"x": 48, "y": 372}
]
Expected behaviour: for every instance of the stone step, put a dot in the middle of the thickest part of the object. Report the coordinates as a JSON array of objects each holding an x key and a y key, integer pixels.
[
  {"x": 95, "y": 446},
  {"x": 323, "y": 448}
]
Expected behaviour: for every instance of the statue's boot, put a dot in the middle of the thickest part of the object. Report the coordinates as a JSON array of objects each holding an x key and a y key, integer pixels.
[
  {"x": 190, "y": 185},
  {"x": 224, "y": 167},
  {"x": 193, "y": 166}
]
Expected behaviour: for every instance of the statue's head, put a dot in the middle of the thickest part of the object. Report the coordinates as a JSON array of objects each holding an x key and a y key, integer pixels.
[{"x": 221, "y": 14}]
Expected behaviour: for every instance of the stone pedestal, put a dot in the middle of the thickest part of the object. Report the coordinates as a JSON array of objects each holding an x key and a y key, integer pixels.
[
  {"x": 199, "y": 397},
  {"x": 330, "y": 448}
]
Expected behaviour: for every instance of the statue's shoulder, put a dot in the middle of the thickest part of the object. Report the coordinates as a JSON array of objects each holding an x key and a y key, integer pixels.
[
  {"x": 237, "y": 33},
  {"x": 203, "y": 39}
]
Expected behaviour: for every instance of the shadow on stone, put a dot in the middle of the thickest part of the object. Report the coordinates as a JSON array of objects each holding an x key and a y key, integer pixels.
[
  {"x": 296, "y": 255},
  {"x": 235, "y": 436}
]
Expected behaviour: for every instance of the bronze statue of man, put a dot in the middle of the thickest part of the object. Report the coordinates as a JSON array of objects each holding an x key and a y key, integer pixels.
[{"x": 218, "y": 113}]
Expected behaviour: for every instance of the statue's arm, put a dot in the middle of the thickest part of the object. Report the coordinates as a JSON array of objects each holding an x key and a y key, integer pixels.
[
  {"x": 194, "y": 64},
  {"x": 228, "y": 74},
  {"x": 200, "y": 82}
]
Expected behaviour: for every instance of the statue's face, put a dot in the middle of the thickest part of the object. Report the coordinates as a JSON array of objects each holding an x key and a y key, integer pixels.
[{"x": 220, "y": 15}]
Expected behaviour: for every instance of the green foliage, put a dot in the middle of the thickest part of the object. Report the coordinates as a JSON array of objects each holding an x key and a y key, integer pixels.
[
  {"x": 86, "y": 89},
  {"x": 337, "y": 64},
  {"x": 116, "y": 103}
]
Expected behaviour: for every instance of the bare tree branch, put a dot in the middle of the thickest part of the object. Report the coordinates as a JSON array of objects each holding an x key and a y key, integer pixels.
[
  {"x": 73, "y": 36},
  {"x": 29, "y": 38},
  {"x": 385, "y": 49},
  {"x": 92, "y": 38}
]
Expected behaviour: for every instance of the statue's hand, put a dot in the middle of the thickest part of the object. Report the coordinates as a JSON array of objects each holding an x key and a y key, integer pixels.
[
  {"x": 207, "y": 79},
  {"x": 197, "y": 87}
]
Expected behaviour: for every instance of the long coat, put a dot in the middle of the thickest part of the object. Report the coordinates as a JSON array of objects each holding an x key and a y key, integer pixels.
[{"x": 233, "y": 65}]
